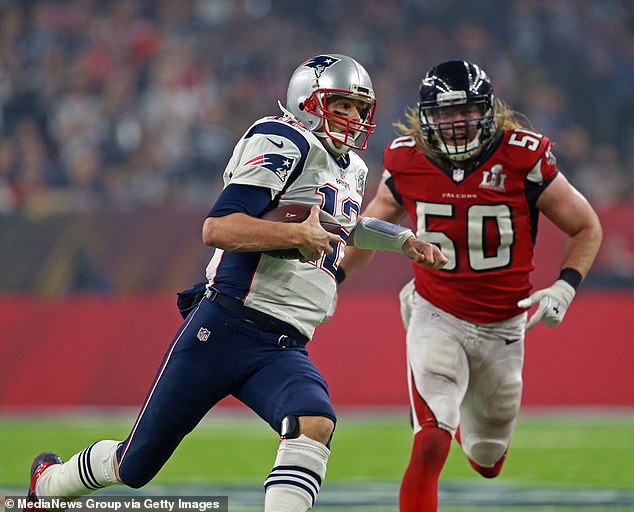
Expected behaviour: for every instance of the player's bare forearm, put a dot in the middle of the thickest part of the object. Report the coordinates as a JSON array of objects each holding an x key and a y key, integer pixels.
[
  {"x": 355, "y": 259},
  {"x": 570, "y": 211},
  {"x": 582, "y": 248},
  {"x": 242, "y": 233}
]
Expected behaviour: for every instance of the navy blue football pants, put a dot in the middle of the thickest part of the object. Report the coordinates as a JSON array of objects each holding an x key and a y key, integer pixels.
[{"x": 215, "y": 354}]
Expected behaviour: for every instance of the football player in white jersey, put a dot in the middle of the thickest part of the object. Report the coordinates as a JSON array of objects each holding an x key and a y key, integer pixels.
[{"x": 246, "y": 337}]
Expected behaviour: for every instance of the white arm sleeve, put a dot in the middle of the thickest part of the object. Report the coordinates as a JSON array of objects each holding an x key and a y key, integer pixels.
[{"x": 380, "y": 235}]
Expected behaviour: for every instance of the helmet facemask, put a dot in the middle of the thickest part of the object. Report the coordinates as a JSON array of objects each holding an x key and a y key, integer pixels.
[
  {"x": 457, "y": 140},
  {"x": 338, "y": 131}
]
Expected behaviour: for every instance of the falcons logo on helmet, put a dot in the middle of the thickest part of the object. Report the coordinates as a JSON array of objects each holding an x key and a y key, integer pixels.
[{"x": 321, "y": 63}]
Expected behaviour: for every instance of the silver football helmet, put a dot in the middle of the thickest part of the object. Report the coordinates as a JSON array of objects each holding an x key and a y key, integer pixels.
[{"x": 314, "y": 83}]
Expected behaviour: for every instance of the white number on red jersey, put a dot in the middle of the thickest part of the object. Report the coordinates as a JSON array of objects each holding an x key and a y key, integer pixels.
[
  {"x": 479, "y": 256},
  {"x": 406, "y": 141},
  {"x": 525, "y": 139}
]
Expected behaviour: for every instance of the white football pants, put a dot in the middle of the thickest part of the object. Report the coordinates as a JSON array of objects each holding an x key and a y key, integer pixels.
[{"x": 464, "y": 373}]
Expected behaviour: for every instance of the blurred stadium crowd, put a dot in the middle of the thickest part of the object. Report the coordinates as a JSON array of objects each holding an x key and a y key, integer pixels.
[
  {"x": 128, "y": 104},
  {"x": 112, "y": 104}
]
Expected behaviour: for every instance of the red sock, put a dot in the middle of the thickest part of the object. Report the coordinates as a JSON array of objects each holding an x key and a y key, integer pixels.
[
  {"x": 491, "y": 472},
  {"x": 419, "y": 488}
]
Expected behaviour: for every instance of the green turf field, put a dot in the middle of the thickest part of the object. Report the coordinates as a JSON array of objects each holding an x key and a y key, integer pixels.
[{"x": 575, "y": 453}]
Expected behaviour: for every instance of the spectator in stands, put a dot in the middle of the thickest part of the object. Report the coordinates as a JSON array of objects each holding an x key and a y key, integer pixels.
[{"x": 93, "y": 74}]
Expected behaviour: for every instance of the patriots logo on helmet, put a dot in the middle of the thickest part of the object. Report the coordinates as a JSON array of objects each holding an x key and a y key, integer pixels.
[
  {"x": 321, "y": 63},
  {"x": 280, "y": 165}
]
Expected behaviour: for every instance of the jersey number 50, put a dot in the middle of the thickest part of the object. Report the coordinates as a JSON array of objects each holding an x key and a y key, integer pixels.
[{"x": 480, "y": 257}]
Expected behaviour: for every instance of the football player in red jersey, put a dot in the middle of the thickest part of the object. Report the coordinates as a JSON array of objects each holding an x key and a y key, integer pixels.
[{"x": 473, "y": 180}]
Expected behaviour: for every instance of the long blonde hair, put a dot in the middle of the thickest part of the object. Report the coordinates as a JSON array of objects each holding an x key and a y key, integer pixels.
[{"x": 505, "y": 119}]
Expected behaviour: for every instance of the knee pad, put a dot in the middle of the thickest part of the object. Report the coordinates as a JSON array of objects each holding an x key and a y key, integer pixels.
[
  {"x": 487, "y": 452},
  {"x": 290, "y": 427}
]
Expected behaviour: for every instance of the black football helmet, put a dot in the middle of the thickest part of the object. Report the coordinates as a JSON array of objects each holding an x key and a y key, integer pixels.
[{"x": 456, "y": 82}]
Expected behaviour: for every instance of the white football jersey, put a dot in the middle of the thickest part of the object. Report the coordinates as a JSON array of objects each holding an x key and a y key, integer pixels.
[{"x": 283, "y": 156}]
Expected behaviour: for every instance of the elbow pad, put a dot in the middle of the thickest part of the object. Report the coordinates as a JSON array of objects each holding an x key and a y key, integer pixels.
[{"x": 380, "y": 235}]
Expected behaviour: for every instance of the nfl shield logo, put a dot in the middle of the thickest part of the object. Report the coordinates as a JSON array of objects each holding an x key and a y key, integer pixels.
[
  {"x": 203, "y": 334},
  {"x": 458, "y": 175}
]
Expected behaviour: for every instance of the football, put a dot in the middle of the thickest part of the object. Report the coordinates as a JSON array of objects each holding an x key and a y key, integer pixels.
[{"x": 298, "y": 213}]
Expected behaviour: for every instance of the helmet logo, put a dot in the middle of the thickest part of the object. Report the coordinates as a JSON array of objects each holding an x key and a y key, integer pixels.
[
  {"x": 320, "y": 63},
  {"x": 280, "y": 165}
]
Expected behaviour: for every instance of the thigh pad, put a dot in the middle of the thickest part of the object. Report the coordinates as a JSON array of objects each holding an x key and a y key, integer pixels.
[{"x": 442, "y": 358}]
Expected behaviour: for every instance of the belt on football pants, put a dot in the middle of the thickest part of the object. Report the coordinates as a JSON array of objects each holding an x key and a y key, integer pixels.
[{"x": 286, "y": 332}]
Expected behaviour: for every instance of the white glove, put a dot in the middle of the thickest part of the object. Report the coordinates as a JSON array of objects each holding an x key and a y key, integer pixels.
[{"x": 553, "y": 303}]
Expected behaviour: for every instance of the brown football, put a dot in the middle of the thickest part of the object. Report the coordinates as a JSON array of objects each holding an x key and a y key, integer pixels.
[{"x": 298, "y": 212}]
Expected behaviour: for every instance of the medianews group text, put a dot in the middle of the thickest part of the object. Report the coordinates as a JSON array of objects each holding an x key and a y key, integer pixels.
[{"x": 119, "y": 503}]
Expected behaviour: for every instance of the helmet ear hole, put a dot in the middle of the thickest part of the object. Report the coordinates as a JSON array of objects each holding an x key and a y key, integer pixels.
[{"x": 301, "y": 106}]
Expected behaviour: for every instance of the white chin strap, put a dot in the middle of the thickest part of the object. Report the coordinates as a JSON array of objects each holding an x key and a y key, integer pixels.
[{"x": 330, "y": 144}]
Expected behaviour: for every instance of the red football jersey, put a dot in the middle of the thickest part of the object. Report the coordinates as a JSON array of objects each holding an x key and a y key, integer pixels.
[{"x": 484, "y": 220}]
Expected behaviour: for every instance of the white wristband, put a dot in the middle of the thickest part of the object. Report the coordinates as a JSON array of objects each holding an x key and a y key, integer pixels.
[{"x": 377, "y": 234}]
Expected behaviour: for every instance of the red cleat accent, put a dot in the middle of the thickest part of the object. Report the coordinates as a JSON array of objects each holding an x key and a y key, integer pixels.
[{"x": 40, "y": 463}]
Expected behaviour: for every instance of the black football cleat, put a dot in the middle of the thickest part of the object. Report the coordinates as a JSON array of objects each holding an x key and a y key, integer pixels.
[{"x": 41, "y": 462}]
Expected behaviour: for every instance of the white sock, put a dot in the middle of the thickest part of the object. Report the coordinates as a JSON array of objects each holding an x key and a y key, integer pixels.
[
  {"x": 294, "y": 482},
  {"x": 85, "y": 472}
]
